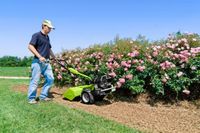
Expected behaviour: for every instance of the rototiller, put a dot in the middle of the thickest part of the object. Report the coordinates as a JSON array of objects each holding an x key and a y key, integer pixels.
[{"x": 96, "y": 91}]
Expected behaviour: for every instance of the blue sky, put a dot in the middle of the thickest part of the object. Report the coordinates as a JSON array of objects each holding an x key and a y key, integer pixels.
[{"x": 81, "y": 23}]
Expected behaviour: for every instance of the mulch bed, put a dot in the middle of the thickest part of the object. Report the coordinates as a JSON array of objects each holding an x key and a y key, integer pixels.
[{"x": 181, "y": 117}]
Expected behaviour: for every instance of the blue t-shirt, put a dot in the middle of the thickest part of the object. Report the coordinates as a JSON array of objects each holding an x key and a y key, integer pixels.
[{"x": 42, "y": 44}]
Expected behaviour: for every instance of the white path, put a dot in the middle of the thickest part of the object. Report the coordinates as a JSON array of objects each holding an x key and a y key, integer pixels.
[{"x": 8, "y": 77}]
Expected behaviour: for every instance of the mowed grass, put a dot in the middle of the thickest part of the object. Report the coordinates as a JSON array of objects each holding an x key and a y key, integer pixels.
[
  {"x": 17, "y": 116},
  {"x": 15, "y": 71}
]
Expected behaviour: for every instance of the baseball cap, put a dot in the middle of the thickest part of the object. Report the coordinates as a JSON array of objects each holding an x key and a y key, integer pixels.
[{"x": 48, "y": 23}]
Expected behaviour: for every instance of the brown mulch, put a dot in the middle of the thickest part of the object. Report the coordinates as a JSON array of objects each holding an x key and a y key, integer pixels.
[{"x": 183, "y": 117}]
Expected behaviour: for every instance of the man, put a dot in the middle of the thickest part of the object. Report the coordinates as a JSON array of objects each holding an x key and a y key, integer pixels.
[{"x": 41, "y": 48}]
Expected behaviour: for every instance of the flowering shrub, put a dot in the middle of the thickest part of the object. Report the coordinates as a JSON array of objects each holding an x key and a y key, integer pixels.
[{"x": 169, "y": 67}]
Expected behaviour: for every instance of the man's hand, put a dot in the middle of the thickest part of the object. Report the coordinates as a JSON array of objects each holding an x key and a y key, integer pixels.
[
  {"x": 42, "y": 59},
  {"x": 35, "y": 52}
]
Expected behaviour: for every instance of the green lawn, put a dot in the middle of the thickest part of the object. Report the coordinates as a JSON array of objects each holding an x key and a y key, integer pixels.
[
  {"x": 17, "y": 116},
  {"x": 15, "y": 71}
]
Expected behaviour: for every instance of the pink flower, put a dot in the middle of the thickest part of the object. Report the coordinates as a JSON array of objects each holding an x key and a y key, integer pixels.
[
  {"x": 155, "y": 62},
  {"x": 166, "y": 65},
  {"x": 112, "y": 55},
  {"x": 187, "y": 92},
  {"x": 123, "y": 63},
  {"x": 77, "y": 59},
  {"x": 148, "y": 57},
  {"x": 154, "y": 48},
  {"x": 63, "y": 69},
  {"x": 56, "y": 70},
  {"x": 129, "y": 76},
  {"x": 182, "y": 48},
  {"x": 100, "y": 54},
  {"x": 135, "y": 61},
  {"x": 158, "y": 47},
  {"x": 128, "y": 65},
  {"x": 133, "y": 54},
  {"x": 150, "y": 60},
  {"x": 62, "y": 63},
  {"x": 176, "y": 56},
  {"x": 87, "y": 62},
  {"x": 155, "y": 53},
  {"x": 185, "y": 53},
  {"x": 179, "y": 74},
  {"x": 54, "y": 64},
  {"x": 195, "y": 50},
  {"x": 112, "y": 74},
  {"x": 164, "y": 80},
  {"x": 78, "y": 68},
  {"x": 194, "y": 39},
  {"x": 122, "y": 80},
  {"x": 193, "y": 68},
  {"x": 97, "y": 55},
  {"x": 59, "y": 77},
  {"x": 110, "y": 59},
  {"x": 129, "y": 61},
  {"x": 183, "y": 58},
  {"x": 116, "y": 65},
  {"x": 166, "y": 76},
  {"x": 109, "y": 65},
  {"x": 119, "y": 56},
  {"x": 141, "y": 61},
  {"x": 118, "y": 85},
  {"x": 183, "y": 65},
  {"x": 184, "y": 40},
  {"x": 173, "y": 46},
  {"x": 125, "y": 69},
  {"x": 140, "y": 68}
]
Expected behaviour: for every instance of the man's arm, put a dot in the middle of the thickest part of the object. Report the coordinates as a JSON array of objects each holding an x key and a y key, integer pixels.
[
  {"x": 35, "y": 52},
  {"x": 52, "y": 54}
]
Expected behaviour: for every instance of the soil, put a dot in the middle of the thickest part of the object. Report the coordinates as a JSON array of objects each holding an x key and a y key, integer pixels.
[{"x": 181, "y": 117}]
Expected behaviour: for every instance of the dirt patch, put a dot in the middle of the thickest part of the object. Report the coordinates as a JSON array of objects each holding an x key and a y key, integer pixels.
[{"x": 183, "y": 117}]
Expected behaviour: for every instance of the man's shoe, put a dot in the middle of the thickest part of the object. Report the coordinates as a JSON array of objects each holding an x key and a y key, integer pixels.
[
  {"x": 32, "y": 102},
  {"x": 46, "y": 99}
]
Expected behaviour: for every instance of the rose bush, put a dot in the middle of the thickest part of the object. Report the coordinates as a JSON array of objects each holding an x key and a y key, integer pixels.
[{"x": 166, "y": 67}]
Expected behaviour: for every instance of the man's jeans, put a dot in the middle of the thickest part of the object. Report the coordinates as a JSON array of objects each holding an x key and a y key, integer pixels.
[{"x": 39, "y": 68}]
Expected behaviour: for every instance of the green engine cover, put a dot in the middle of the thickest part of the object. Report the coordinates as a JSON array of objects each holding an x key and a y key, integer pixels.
[{"x": 73, "y": 92}]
